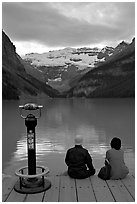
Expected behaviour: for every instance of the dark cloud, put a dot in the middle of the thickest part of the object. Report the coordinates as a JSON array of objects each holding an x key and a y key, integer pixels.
[{"x": 44, "y": 23}]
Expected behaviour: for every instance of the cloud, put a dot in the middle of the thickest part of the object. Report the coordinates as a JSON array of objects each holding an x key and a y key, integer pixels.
[{"x": 68, "y": 24}]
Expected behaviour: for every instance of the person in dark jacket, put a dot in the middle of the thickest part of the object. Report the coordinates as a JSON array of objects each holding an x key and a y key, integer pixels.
[{"x": 79, "y": 161}]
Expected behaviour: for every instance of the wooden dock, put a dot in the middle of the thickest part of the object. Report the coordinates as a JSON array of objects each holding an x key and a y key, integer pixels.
[{"x": 65, "y": 189}]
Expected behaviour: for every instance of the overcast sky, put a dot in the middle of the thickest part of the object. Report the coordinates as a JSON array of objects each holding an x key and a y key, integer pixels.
[{"x": 43, "y": 26}]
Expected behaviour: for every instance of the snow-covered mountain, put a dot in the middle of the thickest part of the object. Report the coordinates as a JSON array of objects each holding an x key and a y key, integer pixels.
[
  {"x": 105, "y": 53},
  {"x": 64, "y": 57},
  {"x": 81, "y": 57},
  {"x": 61, "y": 66},
  {"x": 111, "y": 74}
]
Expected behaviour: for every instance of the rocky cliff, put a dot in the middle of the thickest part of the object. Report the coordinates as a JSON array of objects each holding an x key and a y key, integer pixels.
[{"x": 15, "y": 80}]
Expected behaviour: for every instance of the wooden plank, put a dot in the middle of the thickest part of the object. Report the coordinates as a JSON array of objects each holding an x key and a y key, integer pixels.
[
  {"x": 7, "y": 186},
  {"x": 129, "y": 183},
  {"x": 67, "y": 190},
  {"x": 16, "y": 197},
  {"x": 101, "y": 190},
  {"x": 132, "y": 174},
  {"x": 84, "y": 190},
  {"x": 52, "y": 194},
  {"x": 38, "y": 197},
  {"x": 119, "y": 191}
]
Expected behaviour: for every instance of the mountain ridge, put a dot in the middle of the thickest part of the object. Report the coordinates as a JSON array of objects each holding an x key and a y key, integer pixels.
[
  {"x": 114, "y": 78},
  {"x": 113, "y": 75},
  {"x": 59, "y": 67},
  {"x": 15, "y": 80}
]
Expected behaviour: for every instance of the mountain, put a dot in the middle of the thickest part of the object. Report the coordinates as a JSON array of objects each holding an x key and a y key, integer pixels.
[
  {"x": 114, "y": 78},
  {"x": 15, "y": 80},
  {"x": 64, "y": 57},
  {"x": 105, "y": 53},
  {"x": 69, "y": 72},
  {"x": 60, "y": 67}
]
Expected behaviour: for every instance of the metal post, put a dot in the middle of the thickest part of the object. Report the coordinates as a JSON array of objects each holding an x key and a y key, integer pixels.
[
  {"x": 31, "y": 123},
  {"x": 31, "y": 182}
]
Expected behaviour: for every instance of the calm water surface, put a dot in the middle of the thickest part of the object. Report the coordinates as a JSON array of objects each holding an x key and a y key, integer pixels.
[{"x": 98, "y": 120}]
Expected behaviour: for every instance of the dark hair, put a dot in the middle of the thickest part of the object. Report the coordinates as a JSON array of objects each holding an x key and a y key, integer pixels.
[{"x": 116, "y": 143}]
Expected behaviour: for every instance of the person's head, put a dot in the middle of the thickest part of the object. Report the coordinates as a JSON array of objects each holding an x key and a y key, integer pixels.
[
  {"x": 78, "y": 140},
  {"x": 116, "y": 143}
]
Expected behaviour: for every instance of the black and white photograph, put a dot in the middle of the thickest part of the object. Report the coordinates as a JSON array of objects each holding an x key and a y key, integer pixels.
[{"x": 68, "y": 101}]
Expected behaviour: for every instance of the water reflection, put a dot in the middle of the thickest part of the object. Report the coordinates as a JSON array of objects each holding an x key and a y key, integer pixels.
[
  {"x": 20, "y": 153},
  {"x": 59, "y": 141},
  {"x": 96, "y": 120}
]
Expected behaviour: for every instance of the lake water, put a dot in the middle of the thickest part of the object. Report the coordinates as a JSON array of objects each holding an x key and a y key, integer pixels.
[{"x": 98, "y": 120}]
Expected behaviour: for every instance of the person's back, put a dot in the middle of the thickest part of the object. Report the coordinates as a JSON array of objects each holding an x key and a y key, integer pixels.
[
  {"x": 78, "y": 159},
  {"x": 115, "y": 157}
]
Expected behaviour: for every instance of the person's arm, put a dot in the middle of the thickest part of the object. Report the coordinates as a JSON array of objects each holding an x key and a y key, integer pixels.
[
  {"x": 107, "y": 155},
  {"x": 106, "y": 162},
  {"x": 107, "y": 158},
  {"x": 89, "y": 161},
  {"x": 122, "y": 152},
  {"x": 67, "y": 159}
]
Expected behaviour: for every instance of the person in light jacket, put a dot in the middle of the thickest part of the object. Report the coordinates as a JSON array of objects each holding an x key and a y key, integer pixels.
[
  {"x": 115, "y": 156},
  {"x": 79, "y": 161}
]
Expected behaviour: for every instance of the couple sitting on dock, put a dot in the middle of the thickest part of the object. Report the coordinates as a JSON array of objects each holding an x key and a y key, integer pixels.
[{"x": 80, "y": 165}]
